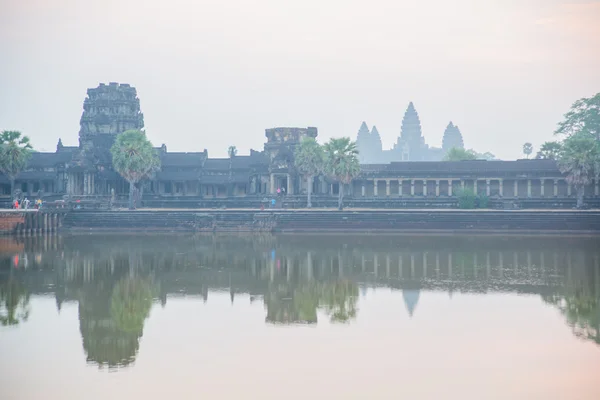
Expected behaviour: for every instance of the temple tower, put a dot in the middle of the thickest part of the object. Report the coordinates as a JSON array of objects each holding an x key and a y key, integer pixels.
[
  {"x": 363, "y": 143},
  {"x": 377, "y": 146},
  {"x": 107, "y": 111},
  {"x": 452, "y": 138},
  {"x": 411, "y": 134}
]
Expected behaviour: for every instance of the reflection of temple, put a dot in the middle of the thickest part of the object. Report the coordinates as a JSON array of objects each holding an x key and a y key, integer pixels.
[
  {"x": 296, "y": 276},
  {"x": 192, "y": 178}
]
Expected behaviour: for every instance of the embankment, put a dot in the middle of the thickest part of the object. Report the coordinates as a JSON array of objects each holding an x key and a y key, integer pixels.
[{"x": 334, "y": 221}]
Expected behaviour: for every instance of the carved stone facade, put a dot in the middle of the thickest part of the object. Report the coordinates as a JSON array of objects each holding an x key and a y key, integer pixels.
[{"x": 194, "y": 178}]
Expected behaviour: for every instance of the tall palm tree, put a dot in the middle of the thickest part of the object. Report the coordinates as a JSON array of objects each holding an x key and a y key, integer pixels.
[
  {"x": 341, "y": 163},
  {"x": 232, "y": 151},
  {"x": 527, "y": 149},
  {"x": 134, "y": 158},
  {"x": 308, "y": 159},
  {"x": 579, "y": 159},
  {"x": 15, "y": 151}
]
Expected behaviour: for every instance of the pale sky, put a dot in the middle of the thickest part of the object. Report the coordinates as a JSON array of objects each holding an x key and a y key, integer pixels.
[{"x": 215, "y": 73}]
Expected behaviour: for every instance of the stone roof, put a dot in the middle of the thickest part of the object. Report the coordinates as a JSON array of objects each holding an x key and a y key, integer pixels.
[
  {"x": 184, "y": 175},
  {"x": 48, "y": 160},
  {"x": 182, "y": 159},
  {"x": 219, "y": 164}
]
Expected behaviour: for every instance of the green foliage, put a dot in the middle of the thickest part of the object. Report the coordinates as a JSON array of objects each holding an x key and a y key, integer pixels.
[
  {"x": 458, "y": 154},
  {"x": 482, "y": 201},
  {"x": 527, "y": 149},
  {"x": 580, "y": 161},
  {"x": 134, "y": 158},
  {"x": 549, "y": 151},
  {"x": 232, "y": 151},
  {"x": 309, "y": 161},
  {"x": 341, "y": 163},
  {"x": 15, "y": 151},
  {"x": 14, "y": 303},
  {"x": 130, "y": 305},
  {"x": 583, "y": 117},
  {"x": 339, "y": 300},
  {"x": 467, "y": 199}
]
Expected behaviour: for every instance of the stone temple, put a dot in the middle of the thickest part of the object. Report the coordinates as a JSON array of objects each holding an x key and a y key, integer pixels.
[
  {"x": 408, "y": 175},
  {"x": 410, "y": 145}
]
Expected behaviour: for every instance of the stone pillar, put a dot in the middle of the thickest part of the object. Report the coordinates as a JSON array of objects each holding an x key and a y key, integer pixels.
[
  {"x": 437, "y": 188},
  {"x": 528, "y": 187},
  {"x": 387, "y": 187},
  {"x": 542, "y": 184},
  {"x": 424, "y": 187},
  {"x": 412, "y": 187},
  {"x": 569, "y": 189},
  {"x": 475, "y": 186},
  {"x": 400, "y": 187},
  {"x": 85, "y": 183},
  {"x": 449, "y": 187},
  {"x": 516, "y": 188},
  {"x": 462, "y": 185},
  {"x": 556, "y": 188},
  {"x": 363, "y": 190},
  {"x": 501, "y": 187},
  {"x": 488, "y": 188},
  {"x": 272, "y": 184},
  {"x": 596, "y": 188},
  {"x": 290, "y": 187},
  {"x": 374, "y": 187}
]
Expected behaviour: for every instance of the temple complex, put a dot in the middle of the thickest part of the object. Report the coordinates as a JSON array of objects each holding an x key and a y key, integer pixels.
[{"x": 388, "y": 178}]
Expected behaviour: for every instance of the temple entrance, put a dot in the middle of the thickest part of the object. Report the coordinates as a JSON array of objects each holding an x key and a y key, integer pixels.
[{"x": 281, "y": 182}]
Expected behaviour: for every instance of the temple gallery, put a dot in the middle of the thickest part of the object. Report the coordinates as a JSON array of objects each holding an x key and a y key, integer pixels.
[{"x": 411, "y": 169}]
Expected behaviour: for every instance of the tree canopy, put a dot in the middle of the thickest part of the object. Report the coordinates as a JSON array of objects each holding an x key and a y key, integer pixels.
[
  {"x": 134, "y": 158},
  {"x": 583, "y": 117},
  {"x": 15, "y": 151},
  {"x": 232, "y": 151},
  {"x": 341, "y": 163},
  {"x": 527, "y": 149},
  {"x": 308, "y": 160},
  {"x": 458, "y": 154},
  {"x": 580, "y": 161},
  {"x": 549, "y": 151}
]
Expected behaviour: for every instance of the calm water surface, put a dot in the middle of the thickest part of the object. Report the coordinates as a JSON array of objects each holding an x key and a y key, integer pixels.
[{"x": 300, "y": 316}]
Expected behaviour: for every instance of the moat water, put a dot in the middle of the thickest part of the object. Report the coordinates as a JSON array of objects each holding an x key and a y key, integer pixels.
[{"x": 299, "y": 317}]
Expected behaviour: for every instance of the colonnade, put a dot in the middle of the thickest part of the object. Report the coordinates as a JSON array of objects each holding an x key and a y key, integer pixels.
[{"x": 487, "y": 184}]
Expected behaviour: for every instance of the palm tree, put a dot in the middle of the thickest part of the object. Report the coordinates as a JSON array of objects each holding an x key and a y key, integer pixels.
[
  {"x": 341, "y": 163},
  {"x": 308, "y": 159},
  {"x": 527, "y": 149},
  {"x": 134, "y": 158},
  {"x": 458, "y": 154},
  {"x": 15, "y": 151},
  {"x": 579, "y": 159},
  {"x": 232, "y": 151}
]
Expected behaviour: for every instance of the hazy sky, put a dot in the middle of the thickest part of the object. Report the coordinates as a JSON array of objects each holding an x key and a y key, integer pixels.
[{"x": 214, "y": 73}]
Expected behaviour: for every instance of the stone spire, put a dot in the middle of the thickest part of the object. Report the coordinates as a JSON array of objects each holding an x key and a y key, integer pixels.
[
  {"x": 363, "y": 143},
  {"x": 452, "y": 138},
  {"x": 411, "y": 125},
  {"x": 376, "y": 144},
  {"x": 411, "y": 135}
]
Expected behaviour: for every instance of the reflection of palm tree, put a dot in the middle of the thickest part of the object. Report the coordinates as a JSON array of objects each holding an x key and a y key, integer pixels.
[
  {"x": 287, "y": 305},
  {"x": 112, "y": 319},
  {"x": 339, "y": 300},
  {"x": 14, "y": 302}
]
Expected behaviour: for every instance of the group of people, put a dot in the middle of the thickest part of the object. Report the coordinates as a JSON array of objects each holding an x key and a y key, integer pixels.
[{"x": 25, "y": 203}]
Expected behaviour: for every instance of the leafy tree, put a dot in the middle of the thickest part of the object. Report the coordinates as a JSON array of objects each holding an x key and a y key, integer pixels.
[
  {"x": 467, "y": 199},
  {"x": 584, "y": 116},
  {"x": 580, "y": 159},
  {"x": 308, "y": 159},
  {"x": 131, "y": 301},
  {"x": 549, "y": 151},
  {"x": 134, "y": 158},
  {"x": 527, "y": 149},
  {"x": 458, "y": 154},
  {"x": 232, "y": 151},
  {"x": 339, "y": 300},
  {"x": 14, "y": 302},
  {"x": 341, "y": 163},
  {"x": 486, "y": 156},
  {"x": 15, "y": 151}
]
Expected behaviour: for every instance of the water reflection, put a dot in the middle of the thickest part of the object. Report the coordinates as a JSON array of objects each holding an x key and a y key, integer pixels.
[{"x": 300, "y": 279}]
